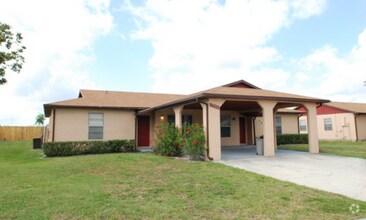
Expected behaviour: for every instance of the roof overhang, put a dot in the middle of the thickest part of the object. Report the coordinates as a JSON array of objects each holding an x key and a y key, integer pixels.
[
  {"x": 341, "y": 109},
  {"x": 48, "y": 108},
  {"x": 231, "y": 97}
]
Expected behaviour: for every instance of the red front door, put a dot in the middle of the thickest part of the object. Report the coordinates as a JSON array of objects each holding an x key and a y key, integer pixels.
[
  {"x": 143, "y": 131},
  {"x": 242, "y": 130}
]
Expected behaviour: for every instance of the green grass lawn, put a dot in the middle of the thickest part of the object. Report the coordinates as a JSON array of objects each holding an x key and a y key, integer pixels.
[
  {"x": 340, "y": 148},
  {"x": 144, "y": 186}
]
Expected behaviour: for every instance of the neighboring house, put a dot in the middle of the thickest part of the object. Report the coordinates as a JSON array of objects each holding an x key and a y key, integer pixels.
[
  {"x": 339, "y": 121},
  {"x": 286, "y": 122},
  {"x": 228, "y": 114}
]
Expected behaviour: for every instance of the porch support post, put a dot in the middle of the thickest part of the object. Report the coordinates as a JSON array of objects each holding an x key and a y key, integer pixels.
[
  {"x": 204, "y": 123},
  {"x": 214, "y": 127},
  {"x": 178, "y": 115},
  {"x": 268, "y": 127},
  {"x": 274, "y": 127},
  {"x": 312, "y": 128}
]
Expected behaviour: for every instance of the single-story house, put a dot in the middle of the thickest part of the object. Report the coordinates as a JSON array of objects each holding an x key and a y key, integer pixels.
[
  {"x": 228, "y": 114},
  {"x": 339, "y": 121}
]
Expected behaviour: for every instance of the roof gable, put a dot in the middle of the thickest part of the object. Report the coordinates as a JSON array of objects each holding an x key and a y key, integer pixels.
[
  {"x": 324, "y": 110},
  {"x": 241, "y": 84}
]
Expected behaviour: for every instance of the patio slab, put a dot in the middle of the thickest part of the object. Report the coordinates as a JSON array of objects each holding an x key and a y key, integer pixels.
[{"x": 249, "y": 151}]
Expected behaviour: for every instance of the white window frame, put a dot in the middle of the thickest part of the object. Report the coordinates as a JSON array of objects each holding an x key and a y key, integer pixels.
[{"x": 303, "y": 125}]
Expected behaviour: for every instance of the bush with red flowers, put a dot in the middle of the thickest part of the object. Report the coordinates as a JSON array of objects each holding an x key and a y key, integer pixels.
[
  {"x": 194, "y": 141},
  {"x": 169, "y": 141}
]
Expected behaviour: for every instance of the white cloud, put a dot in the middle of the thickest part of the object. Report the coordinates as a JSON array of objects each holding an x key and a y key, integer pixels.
[
  {"x": 59, "y": 36},
  {"x": 201, "y": 44},
  {"x": 198, "y": 44},
  {"x": 306, "y": 8},
  {"x": 333, "y": 76}
]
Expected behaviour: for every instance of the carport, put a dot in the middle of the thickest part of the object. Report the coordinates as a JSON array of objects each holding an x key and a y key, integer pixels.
[{"x": 238, "y": 99}]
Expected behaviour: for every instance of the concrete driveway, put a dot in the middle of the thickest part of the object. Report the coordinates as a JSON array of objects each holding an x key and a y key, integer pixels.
[{"x": 341, "y": 175}]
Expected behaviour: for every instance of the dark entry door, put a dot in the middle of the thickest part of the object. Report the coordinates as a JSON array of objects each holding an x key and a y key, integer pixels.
[
  {"x": 143, "y": 131},
  {"x": 242, "y": 130}
]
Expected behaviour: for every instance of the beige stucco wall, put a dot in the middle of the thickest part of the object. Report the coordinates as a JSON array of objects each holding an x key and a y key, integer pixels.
[
  {"x": 197, "y": 118},
  {"x": 156, "y": 119},
  {"x": 72, "y": 124},
  {"x": 50, "y": 126},
  {"x": 361, "y": 127},
  {"x": 343, "y": 127},
  {"x": 234, "y": 140},
  {"x": 289, "y": 124},
  {"x": 196, "y": 115}
]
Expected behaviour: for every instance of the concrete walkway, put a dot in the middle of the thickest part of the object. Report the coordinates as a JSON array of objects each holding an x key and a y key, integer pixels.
[{"x": 341, "y": 175}]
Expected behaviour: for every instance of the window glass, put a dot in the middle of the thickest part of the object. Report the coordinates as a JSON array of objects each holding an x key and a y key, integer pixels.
[
  {"x": 278, "y": 125},
  {"x": 328, "y": 124},
  {"x": 96, "y": 123},
  {"x": 225, "y": 126},
  {"x": 302, "y": 125},
  {"x": 186, "y": 119},
  {"x": 171, "y": 119}
]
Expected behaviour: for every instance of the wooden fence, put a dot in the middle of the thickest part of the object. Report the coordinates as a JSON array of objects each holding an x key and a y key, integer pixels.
[{"x": 13, "y": 133}]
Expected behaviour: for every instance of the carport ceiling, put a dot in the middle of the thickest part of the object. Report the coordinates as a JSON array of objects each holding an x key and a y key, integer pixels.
[
  {"x": 241, "y": 106},
  {"x": 230, "y": 105}
]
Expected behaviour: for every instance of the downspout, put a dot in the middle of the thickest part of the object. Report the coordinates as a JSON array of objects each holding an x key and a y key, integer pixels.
[
  {"x": 136, "y": 129},
  {"x": 207, "y": 130},
  {"x": 53, "y": 124},
  {"x": 298, "y": 123},
  {"x": 356, "y": 115},
  {"x": 254, "y": 134}
]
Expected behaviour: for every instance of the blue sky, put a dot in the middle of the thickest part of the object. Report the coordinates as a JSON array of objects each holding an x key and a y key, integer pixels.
[{"x": 309, "y": 47}]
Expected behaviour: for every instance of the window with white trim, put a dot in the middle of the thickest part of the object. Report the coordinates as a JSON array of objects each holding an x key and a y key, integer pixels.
[
  {"x": 225, "y": 125},
  {"x": 328, "y": 126},
  {"x": 302, "y": 125},
  {"x": 96, "y": 123}
]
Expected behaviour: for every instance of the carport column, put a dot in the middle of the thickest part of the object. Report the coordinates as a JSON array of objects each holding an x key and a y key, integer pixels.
[
  {"x": 178, "y": 115},
  {"x": 204, "y": 123},
  {"x": 268, "y": 127},
  {"x": 274, "y": 127},
  {"x": 214, "y": 128},
  {"x": 312, "y": 128}
]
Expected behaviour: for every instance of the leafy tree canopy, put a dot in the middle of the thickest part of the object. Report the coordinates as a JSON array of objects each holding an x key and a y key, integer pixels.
[{"x": 11, "y": 50}]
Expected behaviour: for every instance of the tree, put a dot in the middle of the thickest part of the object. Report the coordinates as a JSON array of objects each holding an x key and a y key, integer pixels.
[
  {"x": 11, "y": 50},
  {"x": 40, "y": 119}
]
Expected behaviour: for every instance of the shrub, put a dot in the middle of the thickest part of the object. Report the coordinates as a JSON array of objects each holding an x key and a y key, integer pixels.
[
  {"x": 292, "y": 139},
  {"x": 169, "y": 140},
  {"x": 194, "y": 141},
  {"x": 56, "y": 149}
]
